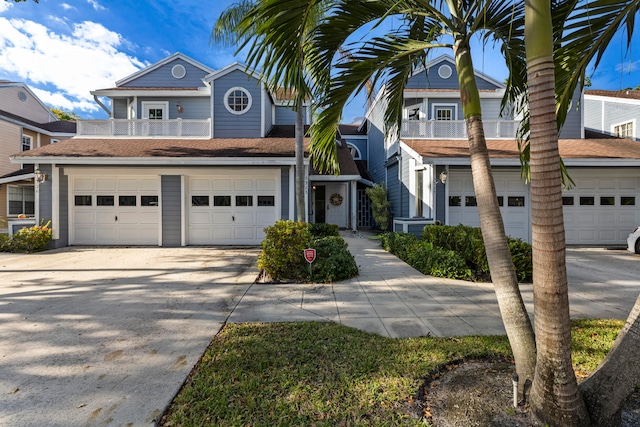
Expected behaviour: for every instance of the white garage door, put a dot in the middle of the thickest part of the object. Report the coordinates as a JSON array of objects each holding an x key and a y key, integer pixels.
[
  {"x": 231, "y": 209},
  {"x": 513, "y": 197},
  {"x": 602, "y": 208},
  {"x": 114, "y": 210}
]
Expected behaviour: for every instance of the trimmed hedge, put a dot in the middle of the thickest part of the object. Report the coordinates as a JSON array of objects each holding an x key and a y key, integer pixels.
[
  {"x": 282, "y": 255},
  {"x": 455, "y": 252}
]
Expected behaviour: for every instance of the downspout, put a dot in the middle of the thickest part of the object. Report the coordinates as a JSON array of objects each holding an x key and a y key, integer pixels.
[{"x": 104, "y": 107}]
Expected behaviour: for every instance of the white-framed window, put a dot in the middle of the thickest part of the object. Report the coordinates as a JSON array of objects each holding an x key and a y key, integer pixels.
[
  {"x": 155, "y": 110},
  {"x": 20, "y": 200},
  {"x": 27, "y": 143},
  {"x": 355, "y": 153},
  {"x": 237, "y": 100},
  {"x": 444, "y": 112},
  {"x": 624, "y": 130}
]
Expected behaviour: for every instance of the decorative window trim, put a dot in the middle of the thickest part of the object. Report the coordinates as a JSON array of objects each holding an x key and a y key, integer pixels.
[
  {"x": 631, "y": 122},
  {"x": 452, "y": 107},
  {"x": 146, "y": 104},
  {"x": 355, "y": 151},
  {"x": 249, "y": 100},
  {"x": 24, "y": 143},
  {"x": 445, "y": 71},
  {"x": 178, "y": 71}
]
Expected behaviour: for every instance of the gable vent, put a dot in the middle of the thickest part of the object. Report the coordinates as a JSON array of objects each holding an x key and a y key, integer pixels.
[
  {"x": 178, "y": 71},
  {"x": 445, "y": 71}
]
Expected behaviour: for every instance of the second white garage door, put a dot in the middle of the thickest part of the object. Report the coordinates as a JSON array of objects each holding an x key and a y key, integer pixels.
[{"x": 232, "y": 208}]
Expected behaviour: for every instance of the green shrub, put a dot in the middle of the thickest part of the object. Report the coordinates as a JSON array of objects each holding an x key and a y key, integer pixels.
[
  {"x": 282, "y": 255},
  {"x": 324, "y": 230},
  {"x": 333, "y": 260},
  {"x": 467, "y": 242},
  {"x": 5, "y": 243},
  {"x": 522, "y": 255},
  {"x": 399, "y": 244},
  {"x": 438, "y": 262},
  {"x": 31, "y": 239},
  {"x": 380, "y": 205}
]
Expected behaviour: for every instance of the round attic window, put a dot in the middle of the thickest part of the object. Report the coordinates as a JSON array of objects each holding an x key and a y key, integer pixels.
[
  {"x": 178, "y": 71},
  {"x": 445, "y": 71},
  {"x": 22, "y": 96},
  {"x": 237, "y": 100}
]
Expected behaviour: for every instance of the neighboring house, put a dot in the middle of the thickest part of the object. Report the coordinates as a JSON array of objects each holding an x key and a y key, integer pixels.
[
  {"x": 189, "y": 156},
  {"x": 613, "y": 112},
  {"x": 25, "y": 124},
  {"x": 427, "y": 169}
]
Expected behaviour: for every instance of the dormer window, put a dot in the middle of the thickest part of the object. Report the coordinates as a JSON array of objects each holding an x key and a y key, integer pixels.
[
  {"x": 237, "y": 100},
  {"x": 27, "y": 143}
]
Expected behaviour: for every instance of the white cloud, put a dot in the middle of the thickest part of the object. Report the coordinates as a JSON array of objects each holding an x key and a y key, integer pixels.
[
  {"x": 96, "y": 5},
  {"x": 5, "y": 5},
  {"x": 66, "y": 6},
  {"x": 65, "y": 67},
  {"x": 628, "y": 66}
]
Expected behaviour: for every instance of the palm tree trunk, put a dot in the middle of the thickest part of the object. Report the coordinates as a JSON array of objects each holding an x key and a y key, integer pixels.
[
  {"x": 514, "y": 314},
  {"x": 555, "y": 398},
  {"x": 300, "y": 178},
  {"x": 606, "y": 390}
]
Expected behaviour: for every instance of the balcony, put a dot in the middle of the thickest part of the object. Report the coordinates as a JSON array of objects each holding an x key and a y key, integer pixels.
[
  {"x": 144, "y": 128},
  {"x": 456, "y": 129}
]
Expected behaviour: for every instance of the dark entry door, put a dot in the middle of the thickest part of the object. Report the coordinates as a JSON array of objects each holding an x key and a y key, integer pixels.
[{"x": 319, "y": 205}]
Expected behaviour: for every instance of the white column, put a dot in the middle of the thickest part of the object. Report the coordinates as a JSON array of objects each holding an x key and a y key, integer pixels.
[
  {"x": 55, "y": 202},
  {"x": 292, "y": 193}
]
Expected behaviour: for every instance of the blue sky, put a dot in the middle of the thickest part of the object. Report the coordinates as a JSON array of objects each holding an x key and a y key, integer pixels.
[{"x": 63, "y": 50}]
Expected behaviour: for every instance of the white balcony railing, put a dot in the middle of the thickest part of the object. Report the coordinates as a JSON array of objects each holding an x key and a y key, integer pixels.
[
  {"x": 454, "y": 129},
  {"x": 144, "y": 128}
]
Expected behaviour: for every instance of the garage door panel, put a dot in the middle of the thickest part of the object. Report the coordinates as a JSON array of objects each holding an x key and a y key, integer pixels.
[
  {"x": 222, "y": 234},
  {"x": 266, "y": 217},
  {"x": 266, "y": 185},
  {"x": 244, "y": 233},
  {"x": 114, "y": 225},
  {"x": 222, "y": 218},
  {"x": 200, "y": 217},
  {"x": 199, "y": 184},
  {"x": 243, "y": 218},
  {"x": 243, "y": 184},
  {"x": 222, "y": 184}
]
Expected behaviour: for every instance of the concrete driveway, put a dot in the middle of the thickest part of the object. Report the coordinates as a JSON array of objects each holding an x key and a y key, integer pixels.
[{"x": 107, "y": 336}]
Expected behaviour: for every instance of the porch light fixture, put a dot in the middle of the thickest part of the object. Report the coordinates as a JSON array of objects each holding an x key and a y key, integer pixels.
[
  {"x": 179, "y": 107},
  {"x": 40, "y": 176},
  {"x": 443, "y": 177}
]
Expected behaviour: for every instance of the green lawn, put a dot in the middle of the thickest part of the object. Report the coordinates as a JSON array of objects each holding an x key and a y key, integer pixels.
[{"x": 324, "y": 374}]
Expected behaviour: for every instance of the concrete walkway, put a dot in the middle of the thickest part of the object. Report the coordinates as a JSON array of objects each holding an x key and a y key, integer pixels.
[{"x": 393, "y": 299}]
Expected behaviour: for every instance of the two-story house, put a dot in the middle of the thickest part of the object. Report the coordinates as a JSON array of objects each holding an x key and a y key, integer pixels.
[
  {"x": 613, "y": 112},
  {"x": 25, "y": 124},
  {"x": 427, "y": 170},
  {"x": 188, "y": 156}
]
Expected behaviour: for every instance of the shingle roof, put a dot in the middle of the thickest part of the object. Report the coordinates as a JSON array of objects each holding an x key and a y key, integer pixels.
[
  {"x": 219, "y": 147},
  {"x": 626, "y": 93},
  {"x": 58, "y": 126},
  {"x": 507, "y": 149},
  {"x": 26, "y": 170}
]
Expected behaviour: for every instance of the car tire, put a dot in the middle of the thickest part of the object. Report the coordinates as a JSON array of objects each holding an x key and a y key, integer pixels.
[{"x": 637, "y": 247}]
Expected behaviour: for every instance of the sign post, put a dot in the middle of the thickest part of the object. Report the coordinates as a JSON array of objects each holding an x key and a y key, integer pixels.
[{"x": 310, "y": 256}]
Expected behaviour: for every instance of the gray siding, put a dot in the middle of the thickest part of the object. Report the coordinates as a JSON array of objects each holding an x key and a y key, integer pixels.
[
  {"x": 491, "y": 110},
  {"x": 287, "y": 116},
  {"x": 162, "y": 77},
  {"x": 429, "y": 79},
  {"x": 192, "y": 108},
  {"x": 227, "y": 125},
  {"x": 361, "y": 144},
  {"x": 456, "y": 101},
  {"x": 119, "y": 108},
  {"x": 268, "y": 116},
  {"x": 603, "y": 115},
  {"x": 405, "y": 170},
  {"x": 593, "y": 114},
  {"x": 171, "y": 212},
  {"x": 393, "y": 190},
  {"x": 572, "y": 128},
  {"x": 377, "y": 152},
  {"x": 285, "y": 191}
]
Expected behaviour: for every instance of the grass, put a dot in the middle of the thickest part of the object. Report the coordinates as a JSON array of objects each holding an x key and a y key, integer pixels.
[{"x": 324, "y": 374}]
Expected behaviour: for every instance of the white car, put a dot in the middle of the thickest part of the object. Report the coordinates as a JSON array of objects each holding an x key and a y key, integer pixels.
[{"x": 633, "y": 241}]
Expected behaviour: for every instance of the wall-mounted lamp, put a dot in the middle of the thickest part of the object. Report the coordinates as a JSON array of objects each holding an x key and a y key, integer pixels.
[
  {"x": 313, "y": 187},
  {"x": 443, "y": 177},
  {"x": 40, "y": 176},
  {"x": 179, "y": 107}
]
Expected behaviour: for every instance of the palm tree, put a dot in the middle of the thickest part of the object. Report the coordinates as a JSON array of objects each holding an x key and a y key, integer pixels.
[
  {"x": 280, "y": 55},
  {"x": 426, "y": 26},
  {"x": 581, "y": 32}
]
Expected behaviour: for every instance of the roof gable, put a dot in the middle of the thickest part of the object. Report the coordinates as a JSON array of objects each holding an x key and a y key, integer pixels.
[
  {"x": 236, "y": 66},
  {"x": 430, "y": 75},
  {"x": 177, "y": 58}
]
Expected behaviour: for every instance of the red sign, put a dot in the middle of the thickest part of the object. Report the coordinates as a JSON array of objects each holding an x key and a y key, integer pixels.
[{"x": 310, "y": 255}]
